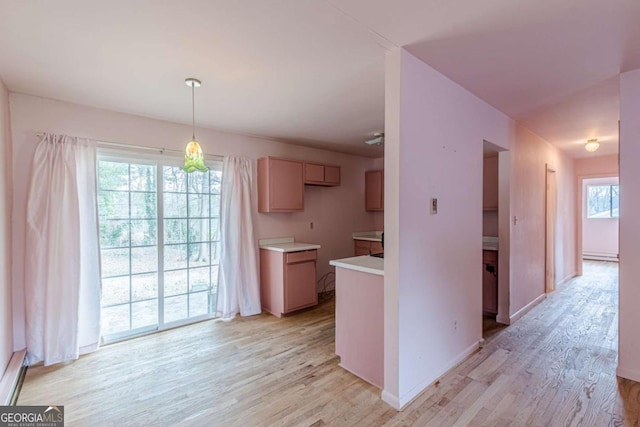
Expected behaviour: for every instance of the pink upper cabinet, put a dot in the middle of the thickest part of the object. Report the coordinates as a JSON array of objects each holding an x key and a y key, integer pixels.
[
  {"x": 374, "y": 190},
  {"x": 280, "y": 185},
  {"x": 318, "y": 174}
]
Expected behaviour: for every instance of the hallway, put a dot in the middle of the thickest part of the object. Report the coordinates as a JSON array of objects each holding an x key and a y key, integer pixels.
[{"x": 554, "y": 367}]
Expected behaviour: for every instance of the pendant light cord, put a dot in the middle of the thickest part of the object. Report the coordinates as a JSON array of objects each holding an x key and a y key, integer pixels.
[{"x": 193, "y": 111}]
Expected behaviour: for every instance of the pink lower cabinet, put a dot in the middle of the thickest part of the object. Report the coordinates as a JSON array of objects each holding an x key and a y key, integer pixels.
[
  {"x": 360, "y": 324},
  {"x": 490, "y": 282},
  {"x": 287, "y": 280}
]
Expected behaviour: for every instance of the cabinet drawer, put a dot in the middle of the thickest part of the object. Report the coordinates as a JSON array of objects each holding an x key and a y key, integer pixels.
[
  {"x": 294, "y": 257},
  {"x": 376, "y": 247}
]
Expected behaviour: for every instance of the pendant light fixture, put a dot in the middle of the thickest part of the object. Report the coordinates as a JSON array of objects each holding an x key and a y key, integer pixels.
[
  {"x": 592, "y": 145},
  {"x": 193, "y": 155}
]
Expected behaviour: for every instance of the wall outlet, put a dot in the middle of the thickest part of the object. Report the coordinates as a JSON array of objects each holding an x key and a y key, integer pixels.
[
  {"x": 434, "y": 206},
  {"x": 311, "y": 225},
  {"x": 455, "y": 325}
]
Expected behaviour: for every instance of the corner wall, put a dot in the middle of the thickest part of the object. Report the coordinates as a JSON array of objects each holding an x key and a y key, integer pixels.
[
  {"x": 629, "y": 286},
  {"x": 435, "y": 132},
  {"x": 335, "y": 211},
  {"x": 6, "y": 321}
]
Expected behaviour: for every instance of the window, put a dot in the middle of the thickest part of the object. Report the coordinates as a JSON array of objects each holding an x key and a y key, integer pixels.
[
  {"x": 603, "y": 201},
  {"x": 159, "y": 241}
]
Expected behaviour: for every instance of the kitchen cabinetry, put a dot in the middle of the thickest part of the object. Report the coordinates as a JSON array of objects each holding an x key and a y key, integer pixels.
[
  {"x": 374, "y": 190},
  {"x": 490, "y": 184},
  {"x": 287, "y": 280},
  {"x": 490, "y": 282},
  {"x": 280, "y": 185},
  {"x": 317, "y": 174},
  {"x": 367, "y": 247}
]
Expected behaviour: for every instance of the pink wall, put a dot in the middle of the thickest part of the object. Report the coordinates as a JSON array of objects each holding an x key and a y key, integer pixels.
[
  {"x": 335, "y": 211},
  {"x": 432, "y": 262},
  {"x": 589, "y": 167},
  {"x": 6, "y": 326},
  {"x": 629, "y": 315},
  {"x": 435, "y": 131},
  {"x": 599, "y": 235},
  {"x": 529, "y": 155}
]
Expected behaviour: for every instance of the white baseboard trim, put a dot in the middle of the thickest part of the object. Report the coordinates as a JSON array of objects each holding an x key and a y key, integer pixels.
[
  {"x": 527, "y": 308},
  {"x": 501, "y": 318},
  {"x": 391, "y": 399},
  {"x": 628, "y": 374},
  {"x": 399, "y": 403},
  {"x": 10, "y": 378},
  {"x": 566, "y": 279}
]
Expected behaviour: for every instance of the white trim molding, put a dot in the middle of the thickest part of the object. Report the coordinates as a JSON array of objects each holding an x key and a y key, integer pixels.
[
  {"x": 10, "y": 378},
  {"x": 527, "y": 308}
]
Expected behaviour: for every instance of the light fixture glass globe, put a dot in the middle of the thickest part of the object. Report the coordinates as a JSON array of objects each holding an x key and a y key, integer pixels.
[
  {"x": 194, "y": 158},
  {"x": 592, "y": 145}
]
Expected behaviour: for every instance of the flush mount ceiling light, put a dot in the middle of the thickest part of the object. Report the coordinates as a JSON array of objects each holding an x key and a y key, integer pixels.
[
  {"x": 193, "y": 155},
  {"x": 378, "y": 139},
  {"x": 592, "y": 145}
]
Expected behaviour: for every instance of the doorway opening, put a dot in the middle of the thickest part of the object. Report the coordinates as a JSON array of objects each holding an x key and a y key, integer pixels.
[
  {"x": 495, "y": 238},
  {"x": 551, "y": 214},
  {"x": 600, "y": 213}
]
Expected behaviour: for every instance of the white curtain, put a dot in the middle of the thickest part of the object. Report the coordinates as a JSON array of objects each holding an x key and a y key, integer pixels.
[
  {"x": 239, "y": 286},
  {"x": 62, "y": 257}
]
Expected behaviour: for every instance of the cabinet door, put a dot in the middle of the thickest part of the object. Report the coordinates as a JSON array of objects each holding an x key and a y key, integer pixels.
[
  {"x": 313, "y": 173},
  {"x": 362, "y": 247},
  {"x": 374, "y": 190},
  {"x": 376, "y": 248},
  {"x": 490, "y": 282},
  {"x": 300, "y": 286},
  {"x": 286, "y": 186},
  {"x": 332, "y": 175}
]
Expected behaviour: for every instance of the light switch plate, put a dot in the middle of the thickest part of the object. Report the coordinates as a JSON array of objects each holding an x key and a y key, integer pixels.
[{"x": 434, "y": 206}]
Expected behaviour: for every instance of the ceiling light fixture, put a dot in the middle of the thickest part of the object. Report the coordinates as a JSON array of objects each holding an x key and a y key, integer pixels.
[
  {"x": 378, "y": 139},
  {"x": 193, "y": 155},
  {"x": 592, "y": 145}
]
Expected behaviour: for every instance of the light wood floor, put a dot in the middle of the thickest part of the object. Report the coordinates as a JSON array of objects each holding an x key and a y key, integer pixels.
[{"x": 554, "y": 367}]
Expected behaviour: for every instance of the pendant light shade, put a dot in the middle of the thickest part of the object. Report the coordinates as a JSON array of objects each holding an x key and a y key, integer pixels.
[{"x": 193, "y": 155}]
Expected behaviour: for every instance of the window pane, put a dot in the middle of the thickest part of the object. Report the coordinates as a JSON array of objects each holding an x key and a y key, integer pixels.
[
  {"x": 199, "y": 279},
  {"x": 175, "y": 308},
  {"x": 198, "y": 205},
  {"x": 115, "y": 290},
  {"x": 175, "y": 205},
  {"x": 599, "y": 201},
  {"x": 174, "y": 179},
  {"x": 199, "y": 254},
  {"x": 175, "y": 282},
  {"x": 143, "y": 178},
  {"x": 144, "y": 286},
  {"x": 143, "y": 205},
  {"x": 114, "y": 319},
  {"x": 199, "y": 230},
  {"x": 215, "y": 205},
  {"x": 198, "y": 304},
  {"x": 215, "y": 229},
  {"x": 113, "y": 204},
  {"x": 113, "y": 175},
  {"x": 114, "y": 233},
  {"x": 615, "y": 201},
  {"x": 198, "y": 182},
  {"x": 143, "y": 232},
  {"x": 144, "y": 313},
  {"x": 144, "y": 260},
  {"x": 175, "y": 256},
  {"x": 115, "y": 262},
  {"x": 215, "y": 181},
  {"x": 175, "y": 231}
]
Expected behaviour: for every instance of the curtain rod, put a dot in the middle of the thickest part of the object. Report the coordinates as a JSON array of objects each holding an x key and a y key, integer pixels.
[{"x": 138, "y": 147}]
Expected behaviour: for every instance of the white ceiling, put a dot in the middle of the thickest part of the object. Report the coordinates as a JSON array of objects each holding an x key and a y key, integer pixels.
[{"x": 312, "y": 72}]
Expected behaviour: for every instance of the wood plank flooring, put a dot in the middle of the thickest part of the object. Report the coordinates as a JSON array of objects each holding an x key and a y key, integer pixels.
[{"x": 554, "y": 367}]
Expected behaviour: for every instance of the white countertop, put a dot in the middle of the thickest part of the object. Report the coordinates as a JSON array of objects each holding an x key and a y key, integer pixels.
[
  {"x": 286, "y": 244},
  {"x": 372, "y": 236},
  {"x": 489, "y": 243},
  {"x": 364, "y": 263}
]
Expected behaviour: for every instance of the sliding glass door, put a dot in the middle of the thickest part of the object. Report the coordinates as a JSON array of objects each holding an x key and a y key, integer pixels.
[{"x": 159, "y": 244}]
